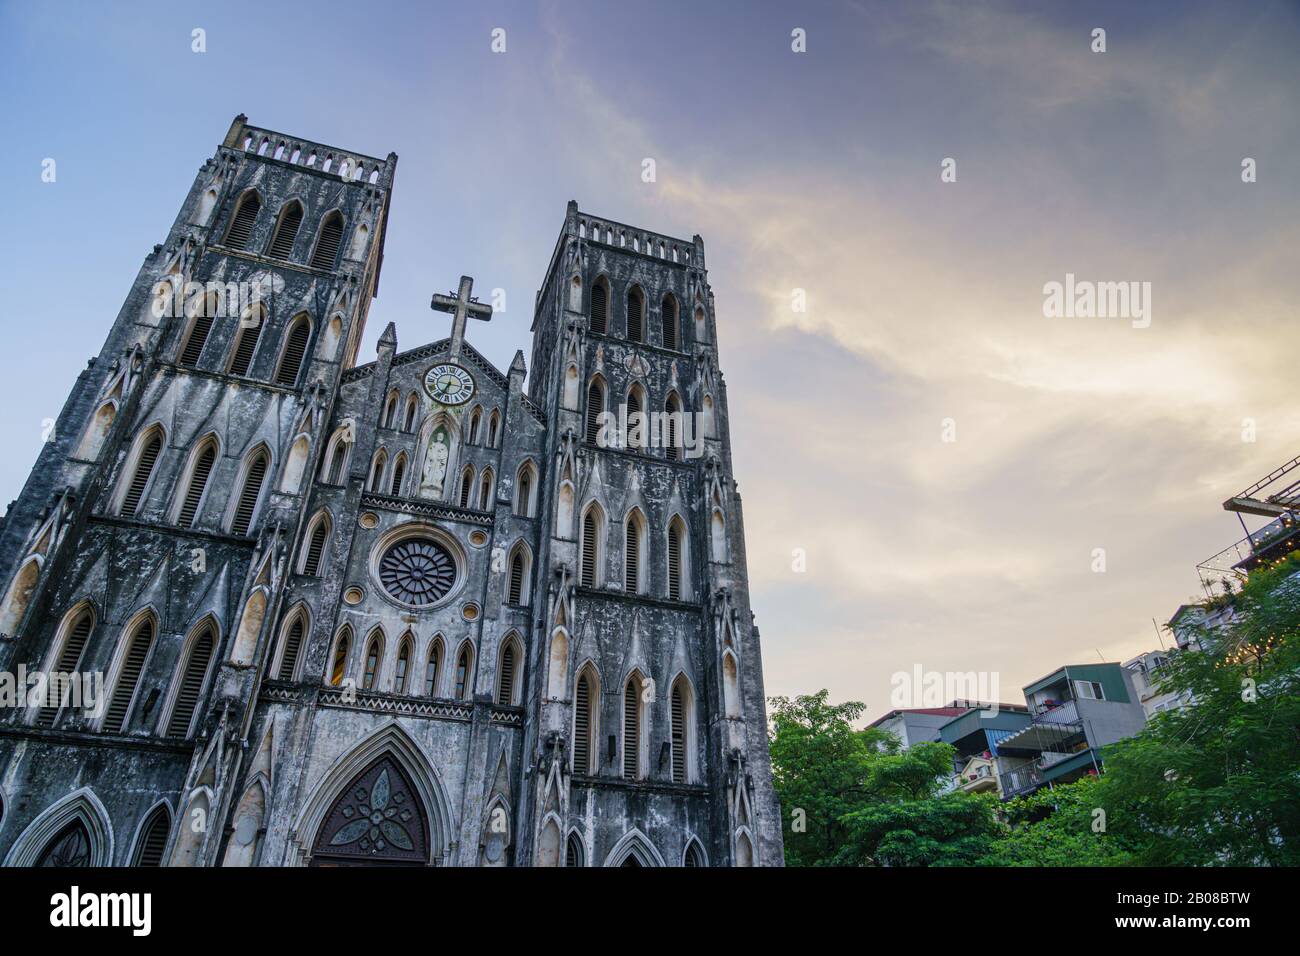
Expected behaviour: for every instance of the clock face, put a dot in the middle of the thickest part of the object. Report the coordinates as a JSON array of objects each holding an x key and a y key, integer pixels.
[{"x": 449, "y": 384}]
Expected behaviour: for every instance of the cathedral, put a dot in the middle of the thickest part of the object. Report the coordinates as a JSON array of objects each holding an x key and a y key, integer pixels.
[{"x": 266, "y": 606}]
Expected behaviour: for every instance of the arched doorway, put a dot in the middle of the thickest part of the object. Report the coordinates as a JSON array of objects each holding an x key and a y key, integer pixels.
[{"x": 378, "y": 820}]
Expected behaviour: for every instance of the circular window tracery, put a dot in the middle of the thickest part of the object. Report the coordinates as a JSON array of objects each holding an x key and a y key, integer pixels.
[{"x": 417, "y": 571}]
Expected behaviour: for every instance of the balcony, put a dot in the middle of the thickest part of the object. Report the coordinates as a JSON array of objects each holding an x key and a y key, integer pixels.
[
  {"x": 1052, "y": 729},
  {"x": 1278, "y": 537},
  {"x": 1021, "y": 780}
]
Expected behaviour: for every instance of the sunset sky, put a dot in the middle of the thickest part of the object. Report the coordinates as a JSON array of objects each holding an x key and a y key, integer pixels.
[{"x": 817, "y": 171}]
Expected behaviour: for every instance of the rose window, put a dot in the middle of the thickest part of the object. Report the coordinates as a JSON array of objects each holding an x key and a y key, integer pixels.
[{"x": 417, "y": 571}]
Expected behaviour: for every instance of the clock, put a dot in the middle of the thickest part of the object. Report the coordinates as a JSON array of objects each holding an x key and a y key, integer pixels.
[{"x": 449, "y": 384}]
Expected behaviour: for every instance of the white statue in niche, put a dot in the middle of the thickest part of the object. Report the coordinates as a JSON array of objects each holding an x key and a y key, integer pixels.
[{"x": 435, "y": 465}]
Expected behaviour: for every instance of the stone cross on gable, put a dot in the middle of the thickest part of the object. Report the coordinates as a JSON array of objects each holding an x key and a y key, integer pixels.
[{"x": 462, "y": 306}]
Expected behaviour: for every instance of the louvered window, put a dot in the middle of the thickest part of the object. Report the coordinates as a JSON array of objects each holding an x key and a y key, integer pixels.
[
  {"x": 674, "y": 563},
  {"x": 674, "y": 412},
  {"x": 466, "y": 487},
  {"x": 327, "y": 246},
  {"x": 515, "y": 595},
  {"x": 631, "y": 730},
  {"x": 693, "y": 858},
  {"x": 572, "y": 851},
  {"x": 599, "y": 307},
  {"x": 198, "y": 337},
  {"x": 377, "y": 472},
  {"x": 143, "y": 469},
  {"x": 635, "y": 316},
  {"x": 248, "y": 497},
  {"x": 595, "y": 406},
  {"x": 153, "y": 839},
  {"x": 399, "y": 472},
  {"x": 525, "y": 487},
  {"x": 372, "y": 665},
  {"x": 198, "y": 482},
  {"x": 485, "y": 492},
  {"x": 128, "y": 677},
  {"x": 191, "y": 686},
  {"x": 670, "y": 322},
  {"x": 66, "y": 663},
  {"x": 462, "y": 674},
  {"x": 286, "y": 231},
  {"x": 339, "y": 666},
  {"x": 315, "y": 548},
  {"x": 431, "y": 670},
  {"x": 632, "y": 557},
  {"x": 411, "y": 410},
  {"x": 292, "y": 645},
  {"x": 294, "y": 350},
  {"x": 241, "y": 227},
  {"x": 242, "y": 360},
  {"x": 506, "y": 689},
  {"x": 403, "y": 667},
  {"x": 474, "y": 421},
  {"x": 590, "y": 528},
  {"x": 679, "y": 735},
  {"x": 582, "y": 726}
]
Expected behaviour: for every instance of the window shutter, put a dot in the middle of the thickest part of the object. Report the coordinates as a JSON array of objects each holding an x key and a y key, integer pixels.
[
  {"x": 679, "y": 736},
  {"x": 466, "y": 487},
  {"x": 248, "y": 497},
  {"x": 692, "y": 856},
  {"x": 582, "y": 727},
  {"x": 631, "y": 730},
  {"x": 243, "y": 357},
  {"x": 128, "y": 678},
  {"x": 153, "y": 840},
  {"x": 198, "y": 337},
  {"x": 292, "y": 645},
  {"x": 599, "y": 307},
  {"x": 672, "y": 451},
  {"x": 315, "y": 548},
  {"x": 241, "y": 227},
  {"x": 589, "y": 549},
  {"x": 635, "y": 327},
  {"x": 595, "y": 405},
  {"x": 198, "y": 481},
  {"x": 67, "y": 664},
  {"x": 399, "y": 471},
  {"x": 674, "y": 563},
  {"x": 516, "y": 579},
  {"x": 285, "y": 232},
  {"x": 632, "y": 557},
  {"x": 327, "y": 246},
  {"x": 506, "y": 690},
  {"x": 143, "y": 469},
  {"x": 294, "y": 350},
  {"x": 187, "y": 695},
  {"x": 670, "y": 322},
  {"x": 572, "y": 851}
]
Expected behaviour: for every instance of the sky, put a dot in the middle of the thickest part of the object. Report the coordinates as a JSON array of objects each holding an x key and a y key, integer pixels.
[{"x": 946, "y": 457}]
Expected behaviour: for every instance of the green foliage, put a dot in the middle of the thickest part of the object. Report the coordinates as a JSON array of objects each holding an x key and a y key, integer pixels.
[
  {"x": 1059, "y": 827},
  {"x": 953, "y": 830}
]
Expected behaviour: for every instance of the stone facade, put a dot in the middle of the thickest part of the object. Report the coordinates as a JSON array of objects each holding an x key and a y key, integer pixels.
[{"x": 341, "y": 621}]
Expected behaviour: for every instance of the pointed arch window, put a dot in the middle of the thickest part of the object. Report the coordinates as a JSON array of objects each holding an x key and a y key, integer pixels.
[
  {"x": 241, "y": 224},
  {"x": 466, "y": 485},
  {"x": 138, "y": 644},
  {"x": 291, "y": 645},
  {"x": 76, "y": 635},
  {"x": 399, "y": 472},
  {"x": 676, "y": 559},
  {"x": 517, "y": 585},
  {"x": 295, "y": 347},
  {"x": 600, "y": 305},
  {"x": 584, "y": 724},
  {"x": 153, "y": 838},
  {"x": 250, "y": 331},
  {"x": 327, "y": 244},
  {"x": 374, "y": 656},
  {"x": 433, "y": 669},
  {"x": 191, "y": 679},
  {"x": 70, "y": 847},
  {"x": 314, "y": 549},
  {"x": 635, "y": 315},
  {"x": 485, "y": 491},
  {"x": 595, "y": 407},
  {"x": 412, "y": 409},
  {"x": 589, "y": 552},
  {"x": 475, "y": 419},
  {"x": 633, "y": 542},
  {"x": 462, "y": 674},
  {"x": 494, "y": 428},
  {"x": 632, "y": 728},
  {"x": 682, "y": 740},
  {"x": 250, "y": 493},
  {"x": 402, "y": 675},
  {"x": 668, "y": 314},
  {"x": 390, "y": 410},
  {"x": 673, "y": 410},
  {"x": 200, "y": 471},
  {"x": 146, "y": 457},
  {"x": 197, "y": 336},
  {"x": 694, "y": 855},
  {"x": 339, "y": 659},
  {"x": 286, "y": 231},
  {"x": 335, "y": 459},
  {"x": 507, "y": 677},
  {"x": 573, "y": 851},
  {"x": 377, "y": 471},
  {"x": 525, "y": 483}
]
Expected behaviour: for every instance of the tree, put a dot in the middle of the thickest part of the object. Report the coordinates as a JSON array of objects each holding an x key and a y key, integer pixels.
[
  {"x": 1060, "y": 826},
  {"x": 956, "y": 829}
]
